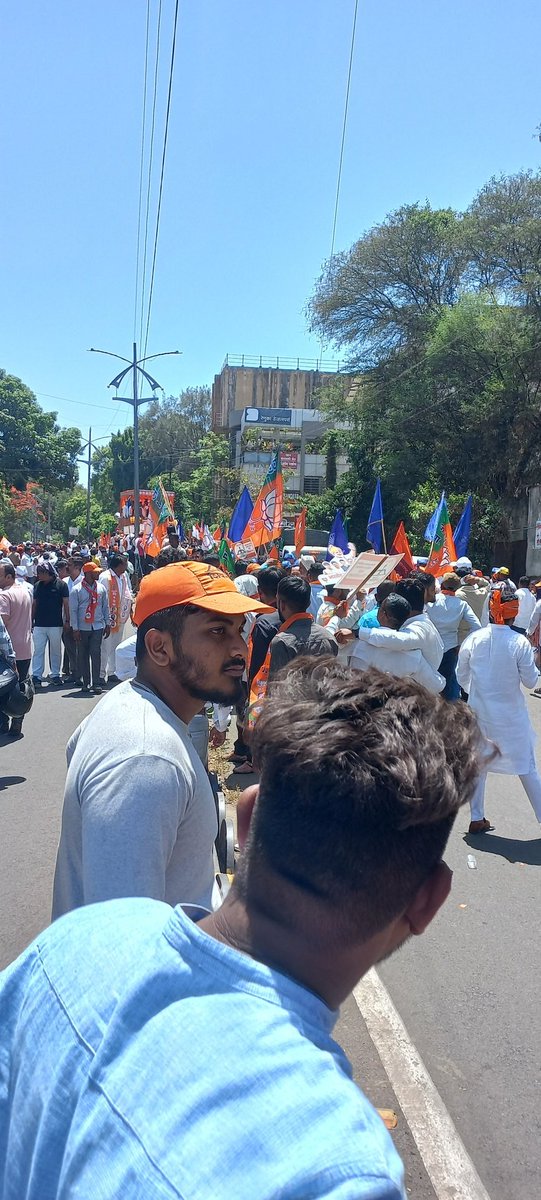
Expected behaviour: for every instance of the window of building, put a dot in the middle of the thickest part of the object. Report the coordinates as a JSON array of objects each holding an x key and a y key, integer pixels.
[{"x": 314, "y": 485}]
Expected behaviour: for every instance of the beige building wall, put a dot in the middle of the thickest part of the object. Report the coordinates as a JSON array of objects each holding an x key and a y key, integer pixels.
[{"x": 236, "y": 388}]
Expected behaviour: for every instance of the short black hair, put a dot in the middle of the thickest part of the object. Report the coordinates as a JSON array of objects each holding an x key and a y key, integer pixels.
[
  {"x": 412, "y": 591},
  {"x": 383, "y": 590},
  {"x": 314, "y": 571},
  {"x": 376, "y": 769},
  {"x": 240, "y": 567},
  {"x": 295, "y": 591},
  {"x": 61, "y": 562},
  {"x": 397, "y": 607},
  {"x": 117, "y": 558},
  {"x": 212, "y": 560},
  {"x": 168, "y": 555},
  {"x": 9, "y": 569},
  {"x": 268, "y": 580},
  {"x": 425, "y": 578},
  {"x": 524, "y": 581},
  {"x": 168, "y": 620}
]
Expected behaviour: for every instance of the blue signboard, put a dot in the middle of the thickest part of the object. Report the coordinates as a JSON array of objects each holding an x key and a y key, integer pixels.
[{"x": 267, "y": 416}]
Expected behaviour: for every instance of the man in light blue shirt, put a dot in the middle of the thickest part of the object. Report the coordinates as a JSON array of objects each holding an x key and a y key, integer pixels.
[
  {"x": 146, "y": 1057},
  {"x": 89, "y": 620}
]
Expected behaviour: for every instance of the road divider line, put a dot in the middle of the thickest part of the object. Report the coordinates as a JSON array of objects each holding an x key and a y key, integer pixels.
[{"x": 448, "y": 1164}]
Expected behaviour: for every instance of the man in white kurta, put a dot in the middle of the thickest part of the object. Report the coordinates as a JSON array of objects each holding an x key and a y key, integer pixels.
[
  {"x": 117, "y": 583},
  {"x": 493, "y": 663}
]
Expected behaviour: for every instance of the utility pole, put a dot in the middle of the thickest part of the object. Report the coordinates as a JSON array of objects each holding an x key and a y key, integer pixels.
[
  {"x": 134, "y": 365},
  {"x": 88, "y": 464}
]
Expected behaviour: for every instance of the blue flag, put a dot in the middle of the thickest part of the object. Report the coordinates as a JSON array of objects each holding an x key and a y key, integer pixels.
[
  {"x": 180, "y": 531},
  {"x": 462, "y": 531},
  {"x": 240, "y": 516},
  {"x": 374, "y": 529},
  {"x": 337, "y": 536},
  {"x": 433, "y": 524}
]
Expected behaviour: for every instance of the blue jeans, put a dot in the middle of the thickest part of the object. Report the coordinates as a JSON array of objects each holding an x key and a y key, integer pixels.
[{"x": 447, "y": 668}]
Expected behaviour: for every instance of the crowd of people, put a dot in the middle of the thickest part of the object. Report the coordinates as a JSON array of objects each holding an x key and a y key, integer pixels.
[{"x": 168, "y": 1007}]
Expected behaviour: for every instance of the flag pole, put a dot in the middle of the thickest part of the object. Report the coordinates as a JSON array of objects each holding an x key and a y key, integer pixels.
[{"x": 384, "y": 538}]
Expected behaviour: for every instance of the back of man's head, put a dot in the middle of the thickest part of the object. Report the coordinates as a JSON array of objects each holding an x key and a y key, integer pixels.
[
  {"x": 413, "y": 591},
  {"x": 314, "y": 572},
  {"x": 393, "y": 611},
  {"x": 362, "y": 776},
  {"x": 267, "y": 583},
  {"x": 294, "y": 594},
  {"x": 383, "y": 590}
]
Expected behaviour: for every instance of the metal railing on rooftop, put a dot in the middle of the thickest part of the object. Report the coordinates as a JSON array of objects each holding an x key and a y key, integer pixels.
[{"x": 332, "y": 366}]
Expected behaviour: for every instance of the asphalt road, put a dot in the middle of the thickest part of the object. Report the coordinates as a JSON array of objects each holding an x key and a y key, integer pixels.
[{"x": 467, "y": 991}]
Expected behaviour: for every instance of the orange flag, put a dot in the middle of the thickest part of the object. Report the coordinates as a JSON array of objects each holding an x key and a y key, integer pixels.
[
  {"x": 401, "y": 546},
  {"x": 300, "y": 532},
  {"x": 266, "y": 521},
  {"x": 273, "y": 554},
  {"x": 440, "y": 560}
]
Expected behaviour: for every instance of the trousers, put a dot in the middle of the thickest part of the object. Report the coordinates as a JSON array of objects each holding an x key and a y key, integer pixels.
[
  {"x": 531, "y": 783},
  {"x": 108, "y": 651},
  {"x": 89, "y": 655},
  {"x": 71, "y": 654},
  {"x": 44, "y": 636},
  {"x": 447, "y": 668}
]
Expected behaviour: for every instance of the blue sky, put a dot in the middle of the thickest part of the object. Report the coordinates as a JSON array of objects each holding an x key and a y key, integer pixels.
[{"x": 444, "y": 94}]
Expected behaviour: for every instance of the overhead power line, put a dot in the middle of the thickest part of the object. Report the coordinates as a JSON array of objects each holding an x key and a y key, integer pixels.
[
  {"x": 162, "y": 172},
  {"x": 141, "y": 173},
  {"x": 150, "y": 162},
  {"x": 344, "y": 126}
]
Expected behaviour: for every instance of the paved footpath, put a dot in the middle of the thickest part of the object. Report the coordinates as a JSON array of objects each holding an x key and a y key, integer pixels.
[{"x": 450, "y": 1031}]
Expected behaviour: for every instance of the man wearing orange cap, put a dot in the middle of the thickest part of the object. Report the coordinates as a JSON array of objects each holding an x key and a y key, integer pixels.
[
  {"x": 90, "y": 622},
  {"x": 492, "y": 664},
  {"x": 139, "y": 817}
]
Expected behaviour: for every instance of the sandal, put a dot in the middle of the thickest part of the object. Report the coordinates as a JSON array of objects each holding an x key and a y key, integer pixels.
[
  {"x": 245, "y": 768},
  {"x": 237, "y": 758}
]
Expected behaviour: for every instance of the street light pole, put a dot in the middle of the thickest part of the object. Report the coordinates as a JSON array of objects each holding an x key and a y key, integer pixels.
[{"x": 135, "y": 400}]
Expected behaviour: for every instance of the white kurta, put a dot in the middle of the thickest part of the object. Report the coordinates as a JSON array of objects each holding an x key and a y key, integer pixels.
[{"x": 492, "y": 665}]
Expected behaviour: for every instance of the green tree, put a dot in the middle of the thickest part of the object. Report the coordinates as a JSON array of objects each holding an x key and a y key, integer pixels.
[
  {"x": 33, "y": 447},
  {"x": 390, "y": 285},
  {"x": 70, "y": 510},
  {"x": 210, "y": 480}
]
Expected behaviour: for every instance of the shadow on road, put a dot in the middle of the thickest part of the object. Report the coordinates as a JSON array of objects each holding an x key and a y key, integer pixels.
[
  {"x": 8, "y": 781},
  {"x": 514, "y": 850}
]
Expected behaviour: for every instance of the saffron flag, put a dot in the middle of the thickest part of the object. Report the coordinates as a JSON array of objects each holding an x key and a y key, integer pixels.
[
  {"x": 401, "y": 546},
  {"x": 155, "y": 524},
  {"x": 338, "y": 539},
  {"x": 273, "y": 554},
  {"x": 240, "y": 516},
  {"x": 300, "y": 532},
  {"x": 374, "y": 529},
  {"x": 462, "y": 531},
  {"x": 443, "y": 551},
  {"x": 266, "y": 521}
]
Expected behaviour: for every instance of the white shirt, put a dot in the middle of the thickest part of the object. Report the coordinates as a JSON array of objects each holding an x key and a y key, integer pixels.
[
  {"x": 397, "y": 661},
  {"x": 525, "y": 608},
  {"x": 417, "y": 633},
  {"x": 446, "y": 613},
  {"x": 71, "y": 582},
  {"x": 535, "y": 619},
  {"x": 492, "y": 665}
]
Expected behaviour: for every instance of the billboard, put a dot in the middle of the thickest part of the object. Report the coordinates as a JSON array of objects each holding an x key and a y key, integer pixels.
[
  {"x": 267, "y": 416},
  {"x": 127, "y": 508}
]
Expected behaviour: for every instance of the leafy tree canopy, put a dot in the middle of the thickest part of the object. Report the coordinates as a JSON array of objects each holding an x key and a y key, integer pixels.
[{"x": 32, "y": 446}]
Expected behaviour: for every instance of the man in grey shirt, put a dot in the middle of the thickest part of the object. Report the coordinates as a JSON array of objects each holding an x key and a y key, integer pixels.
[
  {"x": 299, "y": 633},
  {"x": 139, "y": 817}
]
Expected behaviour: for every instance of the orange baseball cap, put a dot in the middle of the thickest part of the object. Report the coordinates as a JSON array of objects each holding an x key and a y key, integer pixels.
[
  {"x": 91, "y": 568},
  {"x": 192, "y": 583}
]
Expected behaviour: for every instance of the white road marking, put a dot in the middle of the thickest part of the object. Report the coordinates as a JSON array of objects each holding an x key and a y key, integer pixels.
[{"x": 448, "y": 1164}]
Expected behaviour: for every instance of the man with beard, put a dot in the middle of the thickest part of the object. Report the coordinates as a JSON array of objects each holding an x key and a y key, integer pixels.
[{"x": 139, "y": 817}]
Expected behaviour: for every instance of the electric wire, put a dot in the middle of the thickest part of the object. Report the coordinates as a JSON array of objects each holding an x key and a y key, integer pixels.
[
  {"x": 344, "y": 125},
  {"x": 141, "y": 174},
  {"x": 150, "y": 161},
  {"x": 162, "y": 173}
]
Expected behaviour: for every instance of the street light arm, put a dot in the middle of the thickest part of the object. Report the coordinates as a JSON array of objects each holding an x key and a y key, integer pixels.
[
  {"x": 164, "y": 354},
  {"x": 93, "y": 350}
]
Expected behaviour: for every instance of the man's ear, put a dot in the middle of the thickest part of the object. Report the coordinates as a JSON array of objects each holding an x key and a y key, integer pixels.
[
  {"x": 245, "y": 808},
  {"x": 429, "y": 899},
  {"x": 159, "y": 647}
]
